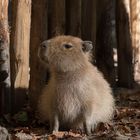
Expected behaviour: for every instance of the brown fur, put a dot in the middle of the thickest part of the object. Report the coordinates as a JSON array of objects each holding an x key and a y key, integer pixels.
[{"x": 77, "y": 94}]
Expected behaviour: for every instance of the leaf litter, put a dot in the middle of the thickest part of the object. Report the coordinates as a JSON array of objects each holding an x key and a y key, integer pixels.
[{"x": 124, "y": 126}]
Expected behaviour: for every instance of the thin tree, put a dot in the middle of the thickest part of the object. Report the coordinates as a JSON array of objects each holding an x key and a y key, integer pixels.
[
  {"x": 88, "y": 25},
  {"x": 135, "y": 32},
  {"x": 73, "y": 17},
  {"x": 5, "y": 96},
  {"x": 20, "y": 37},
  {"x": 39, "y": 33},
  {"x": 104, "y": 39},
  {"x": 124, "y": 44},
  {"x": 56, "y": 17},
  {"x": 88, "y": 22}
]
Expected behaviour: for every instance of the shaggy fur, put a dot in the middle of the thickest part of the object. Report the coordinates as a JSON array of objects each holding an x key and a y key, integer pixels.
[{"x": 77, "y": 94}]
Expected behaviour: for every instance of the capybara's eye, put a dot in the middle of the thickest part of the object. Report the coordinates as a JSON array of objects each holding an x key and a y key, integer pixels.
[{"x": 68, "y": 46}]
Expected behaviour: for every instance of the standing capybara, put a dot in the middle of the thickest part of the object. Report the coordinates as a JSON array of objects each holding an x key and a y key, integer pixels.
[{"x": 76, "y": 94}]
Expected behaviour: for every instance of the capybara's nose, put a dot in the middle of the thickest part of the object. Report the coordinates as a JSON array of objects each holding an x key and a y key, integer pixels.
[{"x": 43, "y": 44}]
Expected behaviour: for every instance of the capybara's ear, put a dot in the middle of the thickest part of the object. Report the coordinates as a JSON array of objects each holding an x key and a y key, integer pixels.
[{"x": 87, "y": 46}]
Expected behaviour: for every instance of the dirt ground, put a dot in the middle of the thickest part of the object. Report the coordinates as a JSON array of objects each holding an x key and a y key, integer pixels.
[{"x": 124, "y": 126}]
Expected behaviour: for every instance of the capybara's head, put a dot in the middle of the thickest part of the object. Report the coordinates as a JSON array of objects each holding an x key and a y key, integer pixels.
[{"x": 65, "y": 53}]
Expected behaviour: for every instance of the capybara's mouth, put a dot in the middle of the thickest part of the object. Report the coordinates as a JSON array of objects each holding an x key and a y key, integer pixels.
[{"x": 44, "y": 59}]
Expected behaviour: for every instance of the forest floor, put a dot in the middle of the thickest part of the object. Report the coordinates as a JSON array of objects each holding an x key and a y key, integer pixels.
[{"x": 124, "y": 126}]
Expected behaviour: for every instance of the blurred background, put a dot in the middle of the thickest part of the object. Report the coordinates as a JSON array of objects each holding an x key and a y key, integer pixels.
[{"x": 112, "y": 25}]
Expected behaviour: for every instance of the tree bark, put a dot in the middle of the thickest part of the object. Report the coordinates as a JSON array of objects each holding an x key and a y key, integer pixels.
[
  {"x": 124, "y": 44},
  {"x": 135, "y": 32},
  {"x": 88, "y": 24},
  {"x": 20, "y": 37},
  {"x": 104, "y": 41},
  {"x": 73, "y": 17},
  {"x": 137, "y": 64},
  {"x": 38, "y": 34},
  {"x": 56, "y": 17},
  {"x": 89, "y": 20},
  {"x": 5, "y": 95}
]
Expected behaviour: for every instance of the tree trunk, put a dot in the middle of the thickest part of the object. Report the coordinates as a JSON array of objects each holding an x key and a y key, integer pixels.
[
  {"x": 73, "y": 17},
  {"x": 135, "y": 32},
  {"x": 56, "y": 17},
  {"x": 137, "y": 64},
  {"x": 124, "y": 44},
  {"x": 89, "y": 20},
  {"x": 88, "y": 25},
  {"x": 5, "y": 96},
  {"x": 38, "y": 34},
  {"x": 20, "y": 37},
  {"x": 104, "y": 41}
]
